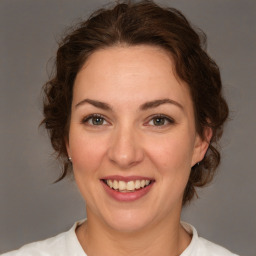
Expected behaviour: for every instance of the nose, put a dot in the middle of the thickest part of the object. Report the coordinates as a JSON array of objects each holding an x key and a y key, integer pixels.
[{"x": 125, "y": 149}]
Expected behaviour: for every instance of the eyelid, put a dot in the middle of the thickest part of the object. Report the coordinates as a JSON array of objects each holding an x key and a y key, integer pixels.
[
  {"x": 88, "y": 117},
  {"x": 168, "y": 118}
]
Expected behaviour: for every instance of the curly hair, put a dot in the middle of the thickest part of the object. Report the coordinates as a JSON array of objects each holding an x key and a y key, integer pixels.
[{"x": 131, "y": 24}]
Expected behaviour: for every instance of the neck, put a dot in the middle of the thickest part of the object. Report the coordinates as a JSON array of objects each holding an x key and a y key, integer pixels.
[{"x": 165, "y": 238}]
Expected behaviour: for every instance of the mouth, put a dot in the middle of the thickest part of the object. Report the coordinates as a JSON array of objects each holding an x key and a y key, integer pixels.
[{"x": 129, "y": 186}]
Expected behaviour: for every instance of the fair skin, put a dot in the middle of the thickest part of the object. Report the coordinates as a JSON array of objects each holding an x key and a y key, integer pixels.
[{"x": 144, "y": 129}]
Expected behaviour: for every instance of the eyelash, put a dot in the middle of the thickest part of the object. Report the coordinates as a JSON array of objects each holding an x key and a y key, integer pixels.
[
  {"x": 87, "y": 118},
  {"x": 169, "y": 120},
  {"x": 152, "y": 118}
]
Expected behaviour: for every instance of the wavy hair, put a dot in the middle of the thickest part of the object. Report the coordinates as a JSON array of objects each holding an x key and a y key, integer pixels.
[{"x": 131, "y": 24}]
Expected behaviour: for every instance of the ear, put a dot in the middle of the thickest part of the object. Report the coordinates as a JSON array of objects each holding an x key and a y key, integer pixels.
[
  {"x": 201, "y": 145},
  {"x": 67, "y": 146}
]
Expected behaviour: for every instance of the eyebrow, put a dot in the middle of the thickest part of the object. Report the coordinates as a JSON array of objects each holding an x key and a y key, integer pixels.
[
  {"x": 95, "y": 103},
  {"x": 156, "y": 103},
  {"x": 145, "y": 106}
]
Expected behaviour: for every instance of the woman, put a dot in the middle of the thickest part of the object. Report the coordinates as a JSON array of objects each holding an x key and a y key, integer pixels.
[{"x": 134, "y": 111}]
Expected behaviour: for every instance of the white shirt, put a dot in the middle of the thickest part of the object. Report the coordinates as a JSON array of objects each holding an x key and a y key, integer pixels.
[{"x": 67, "y": 244}]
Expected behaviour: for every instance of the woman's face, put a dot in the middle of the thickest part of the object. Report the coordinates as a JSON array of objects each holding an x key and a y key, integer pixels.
[{"x": 132, "y": 128}]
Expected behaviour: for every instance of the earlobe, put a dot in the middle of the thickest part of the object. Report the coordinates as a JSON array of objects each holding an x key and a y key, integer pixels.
[{"x": 201, "y": 145}]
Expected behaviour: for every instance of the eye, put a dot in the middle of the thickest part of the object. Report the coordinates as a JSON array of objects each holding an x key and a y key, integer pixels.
[
  {"x": 160, "y": 120},
  {"x": 95, "y": 120}
]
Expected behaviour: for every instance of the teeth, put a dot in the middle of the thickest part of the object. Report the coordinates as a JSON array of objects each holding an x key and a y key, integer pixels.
[
  {"x": 115, "y": 184},
  {"x": 137, "y": 184},
  {"x": 110, "y": 183},
  {"x": 122, "y": 185},
  {"x": 130, "y": 186}
]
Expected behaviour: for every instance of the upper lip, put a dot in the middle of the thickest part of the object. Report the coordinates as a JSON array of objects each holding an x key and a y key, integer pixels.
[{"x": 126, "y": 178}]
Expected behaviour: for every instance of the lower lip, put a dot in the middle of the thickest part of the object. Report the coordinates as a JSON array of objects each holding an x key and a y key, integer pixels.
[{"x": 127, "y": 196}]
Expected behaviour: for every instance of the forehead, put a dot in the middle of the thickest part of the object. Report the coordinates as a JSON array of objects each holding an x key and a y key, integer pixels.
[
  {"x": 129, "y": 60},
  {"x": 130, "y": 73}
]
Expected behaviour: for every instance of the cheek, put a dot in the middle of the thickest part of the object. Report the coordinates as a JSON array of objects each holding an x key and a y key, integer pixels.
[
  {"x": 171, "y": 153},
  {"x": 87, "y": 152}
]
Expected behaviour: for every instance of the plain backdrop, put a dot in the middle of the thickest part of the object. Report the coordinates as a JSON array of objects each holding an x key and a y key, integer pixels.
[{"x": 32, "y": 208}]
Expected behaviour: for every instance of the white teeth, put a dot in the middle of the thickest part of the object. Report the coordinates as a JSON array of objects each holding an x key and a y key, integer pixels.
[
  {"x": 110, "y": 183},
  {"x": 130, "y": 186},
  {"x": 122, "y": 185},
  {"x": 137, "y": 184},
  {"x": 115, "y": 184}
]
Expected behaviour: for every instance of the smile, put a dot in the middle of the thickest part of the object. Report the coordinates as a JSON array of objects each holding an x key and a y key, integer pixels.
[{"x": 130, "y": 186}]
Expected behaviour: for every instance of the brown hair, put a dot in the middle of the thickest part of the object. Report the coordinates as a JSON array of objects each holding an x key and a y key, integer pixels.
[{"x": 137, "y": 24}]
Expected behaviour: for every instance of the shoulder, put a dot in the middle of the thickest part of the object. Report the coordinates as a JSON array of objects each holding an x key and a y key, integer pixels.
[
  {"x": 45, "y": 247},
  {"x": 200, "y": 246},
  {"x": 64, "y": 244},
  {"x": 205, "y": 247}
]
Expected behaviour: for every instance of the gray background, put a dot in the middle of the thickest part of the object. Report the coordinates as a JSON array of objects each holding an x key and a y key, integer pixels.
[{"x": 32, "y": 208}]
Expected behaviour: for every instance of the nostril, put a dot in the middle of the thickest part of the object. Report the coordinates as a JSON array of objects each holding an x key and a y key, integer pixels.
[{"x": 125, "y": 160}]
